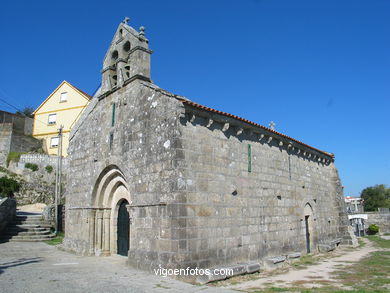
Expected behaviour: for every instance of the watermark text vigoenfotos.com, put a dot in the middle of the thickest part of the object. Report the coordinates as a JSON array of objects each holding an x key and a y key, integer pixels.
[{"x": 192, "y": 272}]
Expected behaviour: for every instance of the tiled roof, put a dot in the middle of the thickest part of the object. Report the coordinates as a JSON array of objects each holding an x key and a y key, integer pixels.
[{"x": 196, "y": 105}]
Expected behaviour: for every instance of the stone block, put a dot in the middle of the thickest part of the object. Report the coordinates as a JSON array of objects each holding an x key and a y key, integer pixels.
[
  {"x": 276, "y": 259},
  {"x": 325, "y": 247},
  {"x": 207, "y": 278},
  {"x": 252, "y": 267},
  {"x": 294, "y": 255}
]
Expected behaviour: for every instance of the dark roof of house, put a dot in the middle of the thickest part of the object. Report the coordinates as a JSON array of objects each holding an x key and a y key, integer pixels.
[{"x": 81, "y": 91}]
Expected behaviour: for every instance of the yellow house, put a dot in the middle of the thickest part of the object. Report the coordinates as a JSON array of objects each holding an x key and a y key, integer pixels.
[{"x": 64, "y": 107}]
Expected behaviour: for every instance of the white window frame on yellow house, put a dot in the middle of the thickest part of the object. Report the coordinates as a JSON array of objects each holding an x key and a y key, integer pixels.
[
  {"x": 64, "y": 97},
  {"x": 50, "y": 119},
  {"x": 53, "y": 139}
]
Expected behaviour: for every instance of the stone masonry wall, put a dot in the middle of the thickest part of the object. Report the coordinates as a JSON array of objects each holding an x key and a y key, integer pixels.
[
  {"x": 143, "y": 148},
  {"x": 7, "y": 211},
  {"x": 193, "y": 201},
  {"x": 35, "y": 186},
  {"x": 230, "y": 215},
  {"x": 380, "y": 219}
]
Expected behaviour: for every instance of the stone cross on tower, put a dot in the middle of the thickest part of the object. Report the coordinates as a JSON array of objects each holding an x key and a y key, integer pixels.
[
  {"x": 126, "y": 20},
  {"x": 272, "y": 125}
]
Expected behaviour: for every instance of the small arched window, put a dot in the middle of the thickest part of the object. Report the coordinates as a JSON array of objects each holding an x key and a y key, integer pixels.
[
  {"x": 126, "y": 46},
  {"x": 114, "y": 55}
]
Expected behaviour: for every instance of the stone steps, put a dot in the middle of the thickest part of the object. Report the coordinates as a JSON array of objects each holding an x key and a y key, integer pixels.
[
  {"x": 31, "y": 226},
  {"x": 33, "y": 237},
  {"x": 24, "y": 233},
  {"x": 26, "y": 228},
  {"x": 18, "y": 229},
  {"x": 35, "y": 222},
  {"x": 29, "y": 240}
]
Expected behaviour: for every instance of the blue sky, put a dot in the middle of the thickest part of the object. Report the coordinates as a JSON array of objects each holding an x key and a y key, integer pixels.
[{"x": 319, "y": 69}]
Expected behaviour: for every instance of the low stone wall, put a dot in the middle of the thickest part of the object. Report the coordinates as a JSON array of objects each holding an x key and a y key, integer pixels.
[
  {"x": 380, "y": 219},
  {"x": 42, "y": 160},
  {"x": 7, "y": 211}
]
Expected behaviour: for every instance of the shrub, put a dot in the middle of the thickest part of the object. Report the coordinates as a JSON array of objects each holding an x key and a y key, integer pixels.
[
  {"x": 13, "y": 156},
  {"x": 8, "y": 186},
  {"x": 373, "y": 229},
  {"x": 33, "y": 167},
  {"x": 49, "y": 169}
]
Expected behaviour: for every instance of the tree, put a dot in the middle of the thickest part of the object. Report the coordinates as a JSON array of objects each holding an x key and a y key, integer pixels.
[
  {"x": 26, "y": 111},
  {"x": 375, "y": 197}
]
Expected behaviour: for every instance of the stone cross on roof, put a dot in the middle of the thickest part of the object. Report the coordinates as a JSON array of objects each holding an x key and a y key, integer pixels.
[
  {"x": 126, "y": 20},
  {"x": 272, "y": 125}
]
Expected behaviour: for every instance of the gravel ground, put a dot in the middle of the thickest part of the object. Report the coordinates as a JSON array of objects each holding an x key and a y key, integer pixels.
[{"x": 39, "y": 267}]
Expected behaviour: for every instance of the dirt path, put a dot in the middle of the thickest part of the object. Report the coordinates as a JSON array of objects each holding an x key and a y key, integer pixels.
[
  {"x": 32, "y": 208},
  {"x": 313, "y": 276}
]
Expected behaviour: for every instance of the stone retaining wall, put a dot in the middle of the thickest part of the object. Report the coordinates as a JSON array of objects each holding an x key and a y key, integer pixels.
[
  {"x": 7, "y": 211},
  {"x": 380, "y": 219}
]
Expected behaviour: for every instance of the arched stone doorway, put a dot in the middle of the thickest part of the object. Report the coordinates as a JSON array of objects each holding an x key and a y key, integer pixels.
[
  {"x": 111, "y": 198},
  {"x": 309, "y": 227},
  {"x": 123, "y": 229}
]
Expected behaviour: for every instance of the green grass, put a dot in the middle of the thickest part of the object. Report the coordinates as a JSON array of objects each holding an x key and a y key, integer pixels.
[
  {"x": 304, "y": 261},
  {"x": 328, "y": 289},
  {"x": 382, "y": 243},
  {"x": 56, "y": 240},
  {"x": 361, "y": 243},
  {"x": 369, "y": 274},
  {"x": 13, "y": 156}
]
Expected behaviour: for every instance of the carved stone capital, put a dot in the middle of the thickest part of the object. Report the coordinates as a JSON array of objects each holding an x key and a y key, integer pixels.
[{"x": 107, "y": 213}]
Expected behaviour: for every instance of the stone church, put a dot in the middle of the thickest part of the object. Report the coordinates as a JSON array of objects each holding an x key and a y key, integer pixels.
[{"x": 166, "y": 181}]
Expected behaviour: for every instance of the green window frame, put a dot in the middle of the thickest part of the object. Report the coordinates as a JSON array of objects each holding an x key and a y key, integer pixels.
[
  {"x": 113, "y": 114},
  {"x": 249, "y": 157}
]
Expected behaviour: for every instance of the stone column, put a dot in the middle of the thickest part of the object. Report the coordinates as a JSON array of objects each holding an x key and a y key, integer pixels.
[
  {"x": 120, "y": 71},
  {"x": 130, "y": 210},
  {"x": 91, "y": 218},
  {"x": 106, "y": 232},
  {"x": 99, "y": 234}
]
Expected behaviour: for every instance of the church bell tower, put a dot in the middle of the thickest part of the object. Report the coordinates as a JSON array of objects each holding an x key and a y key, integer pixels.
[{"x": 127, "y": 58}]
